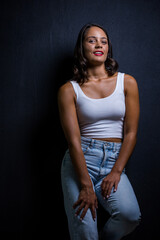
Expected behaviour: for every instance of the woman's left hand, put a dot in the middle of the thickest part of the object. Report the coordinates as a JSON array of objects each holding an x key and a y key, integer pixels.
[{"x": 110, "y": 181}]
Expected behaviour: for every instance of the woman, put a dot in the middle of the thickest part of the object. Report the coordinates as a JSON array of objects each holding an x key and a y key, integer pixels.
[{"x": 99, "y": 112}]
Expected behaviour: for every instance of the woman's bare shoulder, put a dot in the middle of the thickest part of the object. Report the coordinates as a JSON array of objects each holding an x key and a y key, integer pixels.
[
  {"x": 66, "y": 91},
  {"x": 129, "y": 82},
  {"x": 130, "y": 79}
]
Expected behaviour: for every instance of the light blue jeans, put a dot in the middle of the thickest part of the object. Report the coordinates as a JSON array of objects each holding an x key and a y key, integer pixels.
[{"x": 122, "y": 205}]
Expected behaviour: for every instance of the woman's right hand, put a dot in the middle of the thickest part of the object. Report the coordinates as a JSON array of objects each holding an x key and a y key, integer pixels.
[{"x": 87, "y": 199}]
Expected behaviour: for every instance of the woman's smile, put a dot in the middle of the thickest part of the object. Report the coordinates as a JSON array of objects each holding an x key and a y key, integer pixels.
[{"x": 98, "y": 53}]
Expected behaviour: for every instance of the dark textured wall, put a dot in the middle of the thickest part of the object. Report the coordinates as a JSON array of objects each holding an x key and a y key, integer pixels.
[{"x": 37, "y": 39}]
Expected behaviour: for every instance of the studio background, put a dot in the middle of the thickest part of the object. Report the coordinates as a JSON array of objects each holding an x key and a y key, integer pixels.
[{"x": 36, "y": 48}]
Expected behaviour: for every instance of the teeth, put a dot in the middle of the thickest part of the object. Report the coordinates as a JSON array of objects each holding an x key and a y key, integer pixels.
[{"x": 98, "y": 52}]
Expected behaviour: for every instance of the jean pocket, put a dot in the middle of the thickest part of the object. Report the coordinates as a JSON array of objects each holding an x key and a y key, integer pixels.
[
  {"x": 117, "y": 154},
  {"x": 85, "y": 148},
  {"x": 113, "y": 156}
]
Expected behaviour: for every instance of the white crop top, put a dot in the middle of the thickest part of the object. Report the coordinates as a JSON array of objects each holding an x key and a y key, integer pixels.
[{"x": 103, "y": 117}]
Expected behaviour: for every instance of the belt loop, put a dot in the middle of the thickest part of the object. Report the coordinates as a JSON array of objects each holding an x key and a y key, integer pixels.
[
  {"x": 91, "y": 142},
  {"x": 114, "y": 147},
  {"x": 104, "y": 154}
]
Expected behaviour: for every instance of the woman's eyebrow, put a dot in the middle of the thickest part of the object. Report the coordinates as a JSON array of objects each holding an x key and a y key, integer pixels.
[{"x": 96, "y": 37}]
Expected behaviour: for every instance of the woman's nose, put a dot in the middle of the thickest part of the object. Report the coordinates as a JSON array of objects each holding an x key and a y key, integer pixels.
[{"x": 98, "y": 44}]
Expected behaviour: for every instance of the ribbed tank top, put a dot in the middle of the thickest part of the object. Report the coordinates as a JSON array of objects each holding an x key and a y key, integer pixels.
[{"x": 103, "y": 117}]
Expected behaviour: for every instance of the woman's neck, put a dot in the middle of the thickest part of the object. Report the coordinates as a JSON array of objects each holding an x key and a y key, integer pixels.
[{"x": 97, "y": 72}]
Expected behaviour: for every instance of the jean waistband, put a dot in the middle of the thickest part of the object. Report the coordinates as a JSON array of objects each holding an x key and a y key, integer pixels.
[{"x": 100, "y": 144}]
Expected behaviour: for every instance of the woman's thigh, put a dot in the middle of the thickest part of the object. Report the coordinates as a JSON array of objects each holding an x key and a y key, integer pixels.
[
  {"x": 123, "y": 202},
  {"x": 78, "y": 229}
]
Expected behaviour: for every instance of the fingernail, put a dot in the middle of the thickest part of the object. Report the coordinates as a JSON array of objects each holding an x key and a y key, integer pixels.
[{"x": 107, "y": 196}]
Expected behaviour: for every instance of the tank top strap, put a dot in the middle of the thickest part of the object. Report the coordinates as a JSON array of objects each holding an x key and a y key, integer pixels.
[
  {"x": 120, "y": 82},
  {"x": 75, "y": 87}
]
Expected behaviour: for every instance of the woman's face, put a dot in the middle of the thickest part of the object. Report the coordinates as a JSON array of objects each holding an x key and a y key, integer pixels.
[{"x": 95, "y": 46}]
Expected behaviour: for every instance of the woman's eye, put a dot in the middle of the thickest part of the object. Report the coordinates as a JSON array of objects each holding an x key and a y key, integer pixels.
[{"x": 91, "y": 41}]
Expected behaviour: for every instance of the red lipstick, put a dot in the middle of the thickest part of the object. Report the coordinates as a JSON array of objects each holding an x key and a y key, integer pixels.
[{"x": 98, "y": 53}]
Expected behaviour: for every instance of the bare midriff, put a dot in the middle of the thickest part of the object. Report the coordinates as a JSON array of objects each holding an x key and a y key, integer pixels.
[{"x": 109, "y": 139}]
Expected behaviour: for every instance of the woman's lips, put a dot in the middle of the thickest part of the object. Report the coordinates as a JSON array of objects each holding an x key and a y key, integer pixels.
[{"x": 98, "y": 53}]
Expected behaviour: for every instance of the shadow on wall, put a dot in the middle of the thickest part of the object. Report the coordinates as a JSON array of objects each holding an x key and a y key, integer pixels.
[{"x": 47, "y": 146}]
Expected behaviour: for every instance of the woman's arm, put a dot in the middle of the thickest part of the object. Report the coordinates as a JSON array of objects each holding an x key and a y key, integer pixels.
[
  {"x": 130, "y": 133},
  {"x": 68, "y": 116}
]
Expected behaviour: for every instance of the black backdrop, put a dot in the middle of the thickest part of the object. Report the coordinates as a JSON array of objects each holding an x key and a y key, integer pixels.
[{"x": 36, "y": 47}]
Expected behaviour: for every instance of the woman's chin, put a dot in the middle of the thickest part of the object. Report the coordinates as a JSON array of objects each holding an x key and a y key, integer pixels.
[{"x": 96, "y": 63}]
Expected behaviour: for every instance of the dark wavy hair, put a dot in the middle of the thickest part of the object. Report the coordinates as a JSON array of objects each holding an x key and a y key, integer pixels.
[{"x": 80, "y": 62}]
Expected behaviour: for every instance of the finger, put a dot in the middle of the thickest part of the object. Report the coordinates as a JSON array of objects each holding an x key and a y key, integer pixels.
[
  {"x": 93, "y": 212},
  {"x": 84, "y": 212},
  {"x": 104, "y": 193},
  {"x": 96, "y": 203},
  {"x": 80, "y": 209},
  {"x": 77, "y": 203},
  {"x": 105, "y": 190},
  {"x": 109, "y": 190},
  {"x": 103, "y": 187},
  {"x": 115, "y": 186}
]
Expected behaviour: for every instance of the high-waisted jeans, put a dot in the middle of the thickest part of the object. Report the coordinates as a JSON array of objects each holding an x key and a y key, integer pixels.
[{"x": 122, "y": 205}]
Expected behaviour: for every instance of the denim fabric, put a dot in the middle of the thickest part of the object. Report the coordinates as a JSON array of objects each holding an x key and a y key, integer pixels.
[{"x": 122, "y": 205}]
